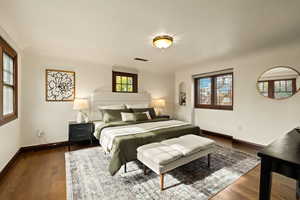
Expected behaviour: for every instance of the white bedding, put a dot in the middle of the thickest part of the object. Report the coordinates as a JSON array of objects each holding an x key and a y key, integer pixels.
[{"x": 108, "y": 135}]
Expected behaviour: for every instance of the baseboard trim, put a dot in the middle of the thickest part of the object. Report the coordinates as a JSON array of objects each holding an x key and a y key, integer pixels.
[
  {"x": 10, "y": 163},
  {"x": 249, "y": 144},
  {"x": 205, "y": 132},
  {"x": 44, "y": 146},
  {"x": 13, "y": 160},
  {"x": 234, "y": 140}
]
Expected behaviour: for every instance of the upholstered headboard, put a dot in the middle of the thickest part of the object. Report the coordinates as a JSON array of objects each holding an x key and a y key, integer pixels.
[{"x": 104, "y": 98}]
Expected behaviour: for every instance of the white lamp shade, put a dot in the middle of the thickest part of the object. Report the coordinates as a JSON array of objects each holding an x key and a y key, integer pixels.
[
  {"x": 81, "y": 104},
  {"x": 159, "y": 103}
]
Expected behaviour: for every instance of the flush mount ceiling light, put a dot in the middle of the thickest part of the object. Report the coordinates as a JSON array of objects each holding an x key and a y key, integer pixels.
[{"x": 162, "y": 41}]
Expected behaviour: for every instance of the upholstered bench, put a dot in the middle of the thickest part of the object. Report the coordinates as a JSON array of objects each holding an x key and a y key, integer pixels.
[{"x": 169, "y": 154}]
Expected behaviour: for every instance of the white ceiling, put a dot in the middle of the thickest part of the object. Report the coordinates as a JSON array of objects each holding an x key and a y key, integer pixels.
[{"x": 113, "y": 32}]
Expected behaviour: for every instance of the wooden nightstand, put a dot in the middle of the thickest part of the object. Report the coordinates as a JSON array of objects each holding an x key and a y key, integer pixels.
[
  {"x": 163, "y": 116},
  {"x": 79, "y": 132}
]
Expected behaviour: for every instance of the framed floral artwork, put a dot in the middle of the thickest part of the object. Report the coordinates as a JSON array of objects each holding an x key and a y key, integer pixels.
[{"x": 60, "y": 85}]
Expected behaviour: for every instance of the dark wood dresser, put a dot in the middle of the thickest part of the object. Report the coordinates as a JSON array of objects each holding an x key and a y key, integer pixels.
[{"x": 283, "y": 157}]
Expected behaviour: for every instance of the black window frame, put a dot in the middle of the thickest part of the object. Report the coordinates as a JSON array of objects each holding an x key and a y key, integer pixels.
[
  {"x": 213, "y": 104},
  {"x": 122, "y": 74},
  {"x": 271, "y": 87}
]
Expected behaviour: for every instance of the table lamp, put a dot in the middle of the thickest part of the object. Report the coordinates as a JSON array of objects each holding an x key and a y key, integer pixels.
[
  {"x": 81, "y": 105},
  {"x": 159, "y": 105}
]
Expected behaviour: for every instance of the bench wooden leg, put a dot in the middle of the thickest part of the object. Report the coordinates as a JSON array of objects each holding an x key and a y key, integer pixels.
[
  {"x": 161, "y": 182},
  {"x": 208, "y": 160},
  {"x": 145, "y": 170}
]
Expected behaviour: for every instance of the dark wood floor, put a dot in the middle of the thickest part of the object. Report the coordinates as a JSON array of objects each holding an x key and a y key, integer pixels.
[{"x": 41, "y": 175}]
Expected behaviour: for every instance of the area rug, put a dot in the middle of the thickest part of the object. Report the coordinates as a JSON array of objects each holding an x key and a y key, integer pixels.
[{"x": 88, "y": 177}]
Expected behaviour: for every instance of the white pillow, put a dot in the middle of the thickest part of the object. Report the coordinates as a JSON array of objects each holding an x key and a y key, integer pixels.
[
  {"x": 141, "y": 105},
  {"x": 127, "y": 116},
  {"x": 148, "y": 114}
]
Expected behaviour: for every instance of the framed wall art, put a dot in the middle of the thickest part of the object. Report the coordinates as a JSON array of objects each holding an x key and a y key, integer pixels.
[{"x": 60, "y": 85}]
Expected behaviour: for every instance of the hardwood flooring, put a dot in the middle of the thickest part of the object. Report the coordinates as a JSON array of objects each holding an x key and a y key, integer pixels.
[{"x": 40, "y": 175}]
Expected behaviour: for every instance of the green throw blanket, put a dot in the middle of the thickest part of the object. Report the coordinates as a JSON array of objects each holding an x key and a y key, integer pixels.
[{"x": 124, "y": 147}]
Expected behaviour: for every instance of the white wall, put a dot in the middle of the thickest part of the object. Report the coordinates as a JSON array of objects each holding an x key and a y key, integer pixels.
[
  {"x": 10, "y": 132},
  {"x": 255, "y": 118},
  {"x": 52, "y": 117}
]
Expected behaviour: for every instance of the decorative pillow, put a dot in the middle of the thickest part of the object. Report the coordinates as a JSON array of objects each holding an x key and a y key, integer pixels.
[
  {"x": 126, "y": 117},
  {"x": 140, "y": 117},
  {"x": 113, "y": 115},
  {"x": 110, "y": 107},
  {"x": 148, "y": 115},
  {"x": 142, "y": 105},
  {"x": 140, "y": 110}
]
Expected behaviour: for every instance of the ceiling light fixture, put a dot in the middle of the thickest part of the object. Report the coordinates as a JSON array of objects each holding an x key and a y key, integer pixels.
[{"x": 162, "y": 41}]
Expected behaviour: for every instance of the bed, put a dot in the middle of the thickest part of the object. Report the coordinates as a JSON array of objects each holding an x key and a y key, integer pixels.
[{"x": 121, "y": 139}]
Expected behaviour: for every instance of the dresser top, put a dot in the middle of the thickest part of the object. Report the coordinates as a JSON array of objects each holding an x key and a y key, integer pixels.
[
  {"x": 286, "y": 148},
  {"x": 74, "y": 122}
]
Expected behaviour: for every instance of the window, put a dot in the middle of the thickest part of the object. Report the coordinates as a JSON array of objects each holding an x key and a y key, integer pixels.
[
  {"x": 278, "y": 89},
  {"x": 214, "y": 91},
  {"x": 264, "y": 88},
  {"x": 124, "y": 82},
  {"x": 8, "y": 83}
]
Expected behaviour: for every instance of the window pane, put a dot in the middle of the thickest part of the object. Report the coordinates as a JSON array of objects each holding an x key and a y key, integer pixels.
[
  {"x": 129, "y": 80},
  {"x": 289, "y": 85},
  {"x": 118, "y": 79},
  {"x": 124, "y": 80},
  {"x": 277, "y": 86},
  {"x": 130, "y": 88},
  {"x": 279, "y": 95},
  {"x": 282, "y": 86},
  {"x": 224, "y": 90},
  {"x": 263, "y": 88},
  {"x": 283, "y": 89},
  {"x": 204, "y": 91},
  {"x": 118, "y": 87},
  {"x": 8, "y": 67},
  {"x": 8, "y": 100},
  {"x": 124, "y": 88}
]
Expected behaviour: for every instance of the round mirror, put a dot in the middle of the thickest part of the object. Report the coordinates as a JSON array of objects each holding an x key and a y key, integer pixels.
[{"x": 279, "y": 83}]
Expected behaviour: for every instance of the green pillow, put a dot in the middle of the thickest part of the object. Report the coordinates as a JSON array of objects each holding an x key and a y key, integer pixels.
[
  {"x": 140, "y": 117},
  {"x": 141, "y": 110},
  {"x": 113, "y": 115}
]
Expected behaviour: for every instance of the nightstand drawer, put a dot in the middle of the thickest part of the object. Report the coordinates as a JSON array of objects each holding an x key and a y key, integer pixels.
[
  {"x": 80, "y": 132},
  {"x": 78, "y": 136},
  {"x": 80, "y": 127}
]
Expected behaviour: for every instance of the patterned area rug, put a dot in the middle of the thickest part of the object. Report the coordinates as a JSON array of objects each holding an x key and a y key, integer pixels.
[{"x": 88, "y": 177}]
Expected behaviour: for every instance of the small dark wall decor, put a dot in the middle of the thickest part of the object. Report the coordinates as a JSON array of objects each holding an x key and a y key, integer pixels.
[
  {"x": 60, "y": 85},
  {"x": 182, "y": 94}
]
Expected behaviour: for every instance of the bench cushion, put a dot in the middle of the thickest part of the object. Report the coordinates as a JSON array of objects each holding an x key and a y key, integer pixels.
[
  {"x": 159, "y": 153},
  {"x": 189, "y": 144}
]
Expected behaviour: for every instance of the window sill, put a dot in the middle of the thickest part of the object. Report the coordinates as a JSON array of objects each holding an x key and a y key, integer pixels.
[
  {"x": 124, "y": 92},
  {"x": 8, "y": 118},
  {"x": 229, "y": 108}
]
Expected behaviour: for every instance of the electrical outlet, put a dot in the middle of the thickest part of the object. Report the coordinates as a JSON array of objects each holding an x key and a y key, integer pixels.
[{"x": 40, "y": 133}]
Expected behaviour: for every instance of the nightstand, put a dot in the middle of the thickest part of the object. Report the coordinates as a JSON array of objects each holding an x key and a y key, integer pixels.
[
  {"x": 79, "y": 132},
  {"x": 163, "y": 116}
]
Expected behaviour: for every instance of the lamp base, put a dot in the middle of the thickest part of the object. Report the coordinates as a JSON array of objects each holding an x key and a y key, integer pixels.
[
  {"x": 80, "y": 118},
  {"x": 158, "y": 111}
]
